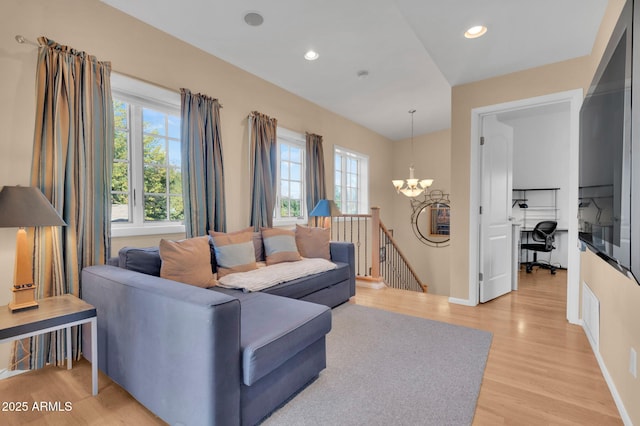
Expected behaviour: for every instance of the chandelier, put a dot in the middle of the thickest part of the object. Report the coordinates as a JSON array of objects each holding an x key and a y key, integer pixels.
[{"x": 413, "y": 187}]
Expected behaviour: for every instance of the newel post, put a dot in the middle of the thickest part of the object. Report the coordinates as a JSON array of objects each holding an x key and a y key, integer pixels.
[{"x": 375, "y": 242}]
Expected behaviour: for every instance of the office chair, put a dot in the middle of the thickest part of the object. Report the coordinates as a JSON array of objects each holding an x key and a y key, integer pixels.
[{"x": 544, "y": 233}]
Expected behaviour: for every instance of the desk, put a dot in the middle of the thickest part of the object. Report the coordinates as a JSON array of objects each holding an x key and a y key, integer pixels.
[{"x": 53, "y": 313}]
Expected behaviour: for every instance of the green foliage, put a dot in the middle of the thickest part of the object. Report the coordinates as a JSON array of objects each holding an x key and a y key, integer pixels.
[{"x": 290, "y": 208}]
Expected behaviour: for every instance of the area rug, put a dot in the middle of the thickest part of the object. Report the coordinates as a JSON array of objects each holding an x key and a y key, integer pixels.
[{"x": 385, "y": 368}]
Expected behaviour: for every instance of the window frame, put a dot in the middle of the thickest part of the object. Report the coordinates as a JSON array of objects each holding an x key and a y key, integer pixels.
[
  {"x": 297, "y": 139},
  {"x": 143, "y": 95},
  {"x": 363, "y": 178}
]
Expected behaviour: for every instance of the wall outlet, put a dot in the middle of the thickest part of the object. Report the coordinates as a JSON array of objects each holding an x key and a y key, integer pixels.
[{"x": 633, "y": 363}]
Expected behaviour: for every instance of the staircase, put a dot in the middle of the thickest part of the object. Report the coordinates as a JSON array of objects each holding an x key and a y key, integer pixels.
[{"x": 378, "y": 256}]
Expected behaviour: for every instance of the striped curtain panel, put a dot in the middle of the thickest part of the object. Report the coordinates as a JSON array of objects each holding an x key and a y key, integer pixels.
[
  {"x": 72, "y": 155},
  {"x": 316, "y": 188},
  {"x": 202, "y": 171},
  {"x": 264, "y": 156}
]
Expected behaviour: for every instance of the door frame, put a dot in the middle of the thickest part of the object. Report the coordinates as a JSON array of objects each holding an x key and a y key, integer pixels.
[{"x": 574, "y": 98}]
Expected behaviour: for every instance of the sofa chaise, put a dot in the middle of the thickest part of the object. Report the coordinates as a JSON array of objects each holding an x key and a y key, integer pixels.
[{"x": 196, "y": 356}]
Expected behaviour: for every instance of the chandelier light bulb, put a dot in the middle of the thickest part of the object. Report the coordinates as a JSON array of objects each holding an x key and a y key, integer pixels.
[{"x": 411, "y": 187}]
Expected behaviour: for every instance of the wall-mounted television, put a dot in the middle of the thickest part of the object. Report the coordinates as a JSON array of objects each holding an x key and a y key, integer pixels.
[{"x": 608, "y": 217}]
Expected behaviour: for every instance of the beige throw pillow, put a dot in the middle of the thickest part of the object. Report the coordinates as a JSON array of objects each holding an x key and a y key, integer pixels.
[
  {"x": 187, "y": 261},
  {"x": 279, "y": 245},
  {"x": 313, "y": 242},
  {"x": 235, "y": 252}
]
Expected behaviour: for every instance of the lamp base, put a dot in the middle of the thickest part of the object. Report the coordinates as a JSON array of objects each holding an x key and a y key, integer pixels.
[{"x": 23, "y": 298}]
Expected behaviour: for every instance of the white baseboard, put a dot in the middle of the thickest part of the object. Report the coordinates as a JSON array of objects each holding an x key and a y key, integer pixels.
[
  {"x": 376, "y": 285},
  {"x": 607, "y": 377},
  {"x": 465, "y": 302}
]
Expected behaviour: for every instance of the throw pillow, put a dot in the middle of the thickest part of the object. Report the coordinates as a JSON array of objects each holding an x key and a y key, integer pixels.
[
  {"x": 279, "y": 245},
  {"x": 313, "y": 242},
  {"x": 235, "y": 252},
  {"x": 187, "y": 261},
  {"x": 257, "y": 240}
]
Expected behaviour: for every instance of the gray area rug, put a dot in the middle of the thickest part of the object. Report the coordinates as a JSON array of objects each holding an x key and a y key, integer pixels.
[{"x": 385, "y": 368}]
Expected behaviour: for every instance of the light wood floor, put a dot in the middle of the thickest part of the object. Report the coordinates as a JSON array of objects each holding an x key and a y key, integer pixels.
[{"x": 540, "y": 370}]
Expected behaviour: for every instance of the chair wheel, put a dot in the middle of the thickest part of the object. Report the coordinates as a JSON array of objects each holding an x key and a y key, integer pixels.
[{"x": 553, "y": 272}]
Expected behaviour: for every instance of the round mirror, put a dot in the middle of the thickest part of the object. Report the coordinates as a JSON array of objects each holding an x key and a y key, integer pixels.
[{"x": 430, "y": 222}]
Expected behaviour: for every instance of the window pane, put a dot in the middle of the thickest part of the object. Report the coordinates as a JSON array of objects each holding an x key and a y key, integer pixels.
[
  {"x": 338, "y": 162},
  {"x": 284, "y": 188},
  {"x": 284, "y": 207},
  {"x": 120, "y": 178},
  {"x": 155, "y": 208},
  {"x": 284, "y": 170},
  {"x": 154, "y": 150},
  {"x": 174, "y": 127},
  {"x": 175, "y": 181},
  {"x": 175, "y": 154},
  {"x": 296, "y": 154},
  {"x": 153, "y": 122},
  {"x": 155, "y": 180},
  {"x": 296, "y": 172},
  {"x": 120, "y": 114},
  {"x": 353, "y": 181},
  {"x": 295, "y": 190},
  {"x": 119, "y": 208},
  {"x": 284, "y": 152},
  {"x": 295, "y": 208},
  {"x": 121, "y": 145},
  {"x": 352, "y": 165},
  {"x": 176, "y": 208}
]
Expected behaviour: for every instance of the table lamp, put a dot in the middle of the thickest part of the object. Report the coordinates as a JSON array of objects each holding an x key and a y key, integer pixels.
[
  {"x": 20, "y": 207},
  {"x": 326, "y": 209}
]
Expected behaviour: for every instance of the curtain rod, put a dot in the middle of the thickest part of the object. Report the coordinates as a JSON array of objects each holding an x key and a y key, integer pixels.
[{"x": 22, "y": 40}]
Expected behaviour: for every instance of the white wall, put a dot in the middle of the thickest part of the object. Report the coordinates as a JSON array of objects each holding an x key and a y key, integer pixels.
[{"x": 540, "y": 156}]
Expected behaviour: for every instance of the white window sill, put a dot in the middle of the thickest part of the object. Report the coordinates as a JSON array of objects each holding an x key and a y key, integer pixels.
[
  {"x": 280, "y": 223},
  {"x": 155, "y": 229}
]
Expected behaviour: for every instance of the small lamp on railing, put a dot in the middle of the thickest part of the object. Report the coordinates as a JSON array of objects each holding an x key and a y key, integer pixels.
[
  {"x": 21, "y": 207},
  {"x": 325, "y": 209}
]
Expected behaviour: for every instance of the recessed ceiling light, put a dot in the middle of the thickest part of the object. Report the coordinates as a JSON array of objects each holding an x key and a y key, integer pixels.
[
  {"x": 475, "y": 32},
  {"x": 254, "y": 19},
  {"x": 311, "y": 55}
]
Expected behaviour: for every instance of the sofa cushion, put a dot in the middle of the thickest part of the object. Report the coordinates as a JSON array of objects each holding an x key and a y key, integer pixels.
[
  {"x": 279, "y": 245},
  {"x": 145, "y": 260},
  {"x": 234, "y": 252},
  {"x": 274, "y": 329},
  {"x": 257, "y": 240},
  {"x": 304, "y": 286},
  {"x": 187, "y": 261},
  {"x": 313, "y": 242}
]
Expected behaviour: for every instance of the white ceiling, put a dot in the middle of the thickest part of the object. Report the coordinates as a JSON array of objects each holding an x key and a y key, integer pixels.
[{"x": 414, "y": 50}]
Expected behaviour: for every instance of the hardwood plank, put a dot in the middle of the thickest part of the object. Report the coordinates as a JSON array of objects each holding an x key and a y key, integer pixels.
[{"x": 540, "y": 370}]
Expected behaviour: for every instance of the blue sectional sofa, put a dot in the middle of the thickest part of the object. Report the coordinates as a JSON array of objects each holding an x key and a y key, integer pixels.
[{"x": 197, "y": 356}]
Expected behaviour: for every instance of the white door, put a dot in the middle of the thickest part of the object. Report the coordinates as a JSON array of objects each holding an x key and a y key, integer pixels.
[{"x": 496, "y": 155}]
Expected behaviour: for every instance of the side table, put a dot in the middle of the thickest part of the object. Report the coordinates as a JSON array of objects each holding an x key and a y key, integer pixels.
[{"x": 53, "y": 313}]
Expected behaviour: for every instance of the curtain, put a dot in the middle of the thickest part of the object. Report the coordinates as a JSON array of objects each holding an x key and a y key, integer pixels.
[
  {"x": 262, "y": 136},
  {"x": 316, "y": 188},
  {"x": 202, "y": 171},
  {"x": 72, "y": 156}
]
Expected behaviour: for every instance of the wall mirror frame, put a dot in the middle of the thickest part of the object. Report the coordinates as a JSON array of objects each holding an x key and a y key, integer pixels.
[{"x": 430, "y": 219}]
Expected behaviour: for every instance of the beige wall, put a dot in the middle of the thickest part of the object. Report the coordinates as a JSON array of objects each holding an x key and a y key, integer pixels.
[
  {"x": 432, "y": 159},
  {"x": 140, "y": 51},
  {"x": 619, "y": 297}
]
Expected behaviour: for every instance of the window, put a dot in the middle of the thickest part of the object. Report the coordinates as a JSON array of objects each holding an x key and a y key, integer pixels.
[
  {"x": 147, "y": 181},
  {"x": 290, "y": 197},
  {"x": 351, "y": 192}
]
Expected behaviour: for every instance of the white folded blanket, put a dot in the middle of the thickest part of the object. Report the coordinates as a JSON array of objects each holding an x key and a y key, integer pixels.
[{"x": 268, "y": 276}]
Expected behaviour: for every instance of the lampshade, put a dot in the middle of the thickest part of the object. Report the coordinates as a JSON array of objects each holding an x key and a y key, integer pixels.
[
  {"x": 325, "y": 208},
  {"x": 25, "y": 206}
]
